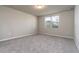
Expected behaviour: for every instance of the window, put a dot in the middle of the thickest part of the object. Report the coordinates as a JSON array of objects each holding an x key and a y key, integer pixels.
[{"x": 52, "y": 21}]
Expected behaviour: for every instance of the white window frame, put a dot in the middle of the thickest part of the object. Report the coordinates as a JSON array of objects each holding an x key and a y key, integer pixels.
[{"x": 52, "y": 23}]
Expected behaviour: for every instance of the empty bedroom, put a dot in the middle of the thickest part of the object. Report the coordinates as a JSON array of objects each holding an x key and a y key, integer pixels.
[{"x": 39, "y": 29}]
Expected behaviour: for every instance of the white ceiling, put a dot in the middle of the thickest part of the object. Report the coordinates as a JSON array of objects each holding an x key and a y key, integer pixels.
[{"x": 47, "y": 10}]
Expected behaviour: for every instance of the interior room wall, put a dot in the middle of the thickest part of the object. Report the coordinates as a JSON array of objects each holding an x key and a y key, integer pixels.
[
  {"x": 14, "y": 23},
  {"x": 77, "y": 25},
  {"x": 66, "y": 25}
]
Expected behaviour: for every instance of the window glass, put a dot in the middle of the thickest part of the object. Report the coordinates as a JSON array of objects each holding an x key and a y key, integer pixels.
[{"x": 52, "y": 21}]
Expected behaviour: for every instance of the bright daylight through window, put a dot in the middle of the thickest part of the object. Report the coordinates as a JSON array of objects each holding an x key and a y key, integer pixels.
[{"x": 52, "y": 21}]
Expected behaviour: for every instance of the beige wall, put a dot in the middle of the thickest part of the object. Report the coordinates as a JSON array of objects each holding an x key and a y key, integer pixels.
[
  {"x": 77, "y": 25},
  {"x": 14, "y": 23},
  {"x": 66, "y": 26}
]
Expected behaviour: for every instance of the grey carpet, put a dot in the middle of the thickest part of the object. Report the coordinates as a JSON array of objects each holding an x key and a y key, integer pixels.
[{"x": 38, "y": 44}]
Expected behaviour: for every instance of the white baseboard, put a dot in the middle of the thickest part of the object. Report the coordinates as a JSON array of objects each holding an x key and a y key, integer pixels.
[
  {"x": 57, "y": 35},
  {"x": 16, "y": 37},
  {"x": 34, "y": 34}
]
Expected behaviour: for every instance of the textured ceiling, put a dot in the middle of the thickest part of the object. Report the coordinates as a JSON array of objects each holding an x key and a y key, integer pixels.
[{"x": 47, "y": 10}]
